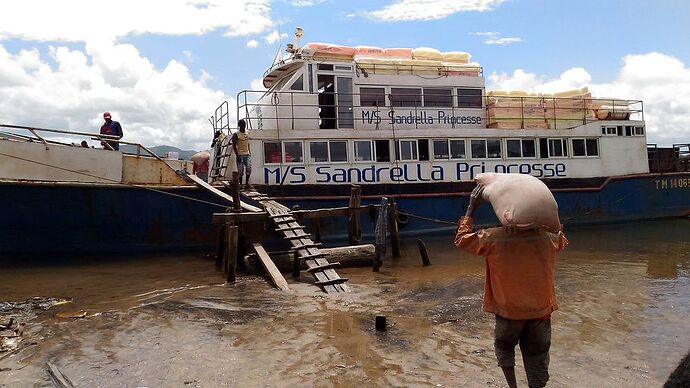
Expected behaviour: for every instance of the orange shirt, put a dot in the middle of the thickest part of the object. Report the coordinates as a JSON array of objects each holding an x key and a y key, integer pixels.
[{"x": 520, "y": 267}]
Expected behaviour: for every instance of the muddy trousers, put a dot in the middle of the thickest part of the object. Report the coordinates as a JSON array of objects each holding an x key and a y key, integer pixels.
[{"x": 534, "y": 337}]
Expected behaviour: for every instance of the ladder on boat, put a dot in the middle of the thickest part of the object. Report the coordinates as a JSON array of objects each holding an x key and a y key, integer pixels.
[{"x": 302, "y": 245}]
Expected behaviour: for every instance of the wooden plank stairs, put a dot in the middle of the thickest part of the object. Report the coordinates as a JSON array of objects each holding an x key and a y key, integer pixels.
[{"x": 302, "y": 244}]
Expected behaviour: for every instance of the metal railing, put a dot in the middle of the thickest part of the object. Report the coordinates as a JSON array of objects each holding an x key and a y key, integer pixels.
[
  {"x": 668, "y": 159},
  {"x": 104, "y": 139},
  {"x": 497, "y": 111}
]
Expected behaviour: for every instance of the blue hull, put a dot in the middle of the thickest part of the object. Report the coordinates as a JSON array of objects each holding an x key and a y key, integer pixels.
[{"x": 44, "y": 218}]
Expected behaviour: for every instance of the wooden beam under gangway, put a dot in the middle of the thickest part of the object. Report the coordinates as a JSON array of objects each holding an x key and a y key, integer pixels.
[
  {"x": 302, "y": 245},
  {"x": 204, "y": 185}
]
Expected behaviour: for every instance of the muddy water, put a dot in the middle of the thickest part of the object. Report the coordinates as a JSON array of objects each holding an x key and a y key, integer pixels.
[{"x": 157, "y": 321}]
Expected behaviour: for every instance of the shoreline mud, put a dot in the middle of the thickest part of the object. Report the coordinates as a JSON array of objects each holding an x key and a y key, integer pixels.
[{"x": 624, "y": 293}]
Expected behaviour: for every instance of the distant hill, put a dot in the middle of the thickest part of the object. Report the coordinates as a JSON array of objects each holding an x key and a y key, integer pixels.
[{"x": 159, "y": 150}]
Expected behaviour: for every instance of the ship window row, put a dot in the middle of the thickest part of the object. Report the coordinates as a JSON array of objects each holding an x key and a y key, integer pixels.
[
  {"x": 622, "y": 130},
  {"x": 420, "y": 97},
  {"x": 405, "y": 150}
]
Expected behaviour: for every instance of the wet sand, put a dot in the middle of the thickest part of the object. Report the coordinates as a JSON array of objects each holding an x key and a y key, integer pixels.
[{"x": 624, "y": 292}]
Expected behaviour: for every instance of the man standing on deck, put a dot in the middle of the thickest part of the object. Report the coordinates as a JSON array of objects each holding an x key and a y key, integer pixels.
[
  {"x": 518, "y": 289},
  {"x": 240, "y": 144},
  {"x": 111, "y": 128}
]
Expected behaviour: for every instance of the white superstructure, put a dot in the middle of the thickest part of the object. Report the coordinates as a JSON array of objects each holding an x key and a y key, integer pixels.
[{"x": 338, "y": 115}]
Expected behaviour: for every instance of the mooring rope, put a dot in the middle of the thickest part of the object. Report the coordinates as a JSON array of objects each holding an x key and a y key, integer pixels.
[
  {"x": 427, "y": 218},
  {"x": 117, "y": 183}
]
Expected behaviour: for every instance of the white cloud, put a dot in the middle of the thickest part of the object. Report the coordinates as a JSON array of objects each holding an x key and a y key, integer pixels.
[
  {"x": 81, "y": 20},
  {"x": 404, "y": 10},
  {"x": 253, "y": 43},
  {"x": 493, "y": 38},
  {"x": 661, "y": 81},
  {"x": 274, "y": 36},
  {"x": 188, "y": 55},
  {"x": 306, "y": 3},
  {"x": 155, "y": 106},
  {"x": 257, "y": 84}
]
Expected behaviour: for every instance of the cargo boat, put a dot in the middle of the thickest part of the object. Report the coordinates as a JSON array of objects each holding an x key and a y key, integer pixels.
[{"x": 415, "y": 125}]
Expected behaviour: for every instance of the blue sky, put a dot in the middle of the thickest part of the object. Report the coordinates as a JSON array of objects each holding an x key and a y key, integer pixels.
[{"x": 163, "y": 66}]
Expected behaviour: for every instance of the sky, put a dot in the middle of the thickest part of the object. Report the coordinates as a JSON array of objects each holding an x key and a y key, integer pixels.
[{"x": 161, "y": 67}]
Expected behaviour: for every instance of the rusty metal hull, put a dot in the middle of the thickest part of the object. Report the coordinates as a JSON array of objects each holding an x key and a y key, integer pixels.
[{"x": 80, "y": 218}]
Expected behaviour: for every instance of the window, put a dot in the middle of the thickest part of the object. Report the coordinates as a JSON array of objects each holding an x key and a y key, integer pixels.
[
  {"x": 441, "y": 149},
  {"x": 639, "y": 131},
  {"x": 406, "y": 96},
  {"x": 457, "y": 149},
  {"x": 406, "y": 150},
  {"x": 558, "y": 148},
  {"x": 272, "y": 152},
  {"x": 438, "y": 97},
  {"x": 493, "y": 147},
  {"x": 423, "y": 147},
  {"x": 318, "y": 151},
  {"x": 629, "y": 130},
  {"x": 372, "y": 96},
  {"x": 521, "y": 148},
  {"x": 382, "y": 149},
  {"x": 298, "y": 84},
  {"x": 609, "y": 131},
  {"x": 478, "y": 149},
  {"x": 585, "y": 147},
  {"x": 323, "y": 66},
  {"x": 293, "y": 152},
  {"x": 363, "y": 151},
  {"x": 489, "y": 148},
  {"x": 343, "y": 68},
  {"x": 328, "y": 151},
  {"x": 529, "y": 148},
  {"x": 469, "y": 98},
  {"x": 338, "y": 151}
]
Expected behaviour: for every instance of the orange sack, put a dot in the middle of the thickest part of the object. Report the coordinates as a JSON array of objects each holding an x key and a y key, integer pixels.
[{"x": 520, "y": 200}]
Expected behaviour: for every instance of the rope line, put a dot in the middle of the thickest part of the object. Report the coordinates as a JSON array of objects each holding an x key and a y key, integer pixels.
[
  {"x": 427, "y": 218},
  {"x": 118, "y": 183}
]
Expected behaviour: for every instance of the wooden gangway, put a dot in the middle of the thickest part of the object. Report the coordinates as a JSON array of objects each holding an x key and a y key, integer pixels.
[{"x": 304, "y": 248}]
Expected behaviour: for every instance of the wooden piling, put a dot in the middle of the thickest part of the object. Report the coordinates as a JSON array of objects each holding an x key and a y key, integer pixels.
[
  {"x": 393, "y": 219},
  {"x": 423, "y": 253},
  {"x": 235, "y": 188},
  {"x": 354, "y": 232},
  {"x": 220, "y": 245},
  {"x": 316, "y": 229},
  {"x": 231, "y": 254},
  {"x": 296, "y": 265},
  {"x": 376, "y": 263}
]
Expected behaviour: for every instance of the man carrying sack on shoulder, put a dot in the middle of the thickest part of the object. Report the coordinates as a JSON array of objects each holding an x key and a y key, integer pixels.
[{"x": 518, "y": 289}]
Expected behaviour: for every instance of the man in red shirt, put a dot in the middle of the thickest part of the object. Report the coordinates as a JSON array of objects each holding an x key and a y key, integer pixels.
[
  {"x": 112, "y": 128},
  {"x": 518, "y": 289}
]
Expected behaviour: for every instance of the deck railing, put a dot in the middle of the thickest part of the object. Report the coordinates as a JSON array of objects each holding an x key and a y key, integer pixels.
[
  {"x": 104, "y": 139},
  {"x": 510, "y": 112}
]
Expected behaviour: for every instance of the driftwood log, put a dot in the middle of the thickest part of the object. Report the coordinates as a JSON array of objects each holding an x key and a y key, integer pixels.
[{"x": 348, "y": 256}]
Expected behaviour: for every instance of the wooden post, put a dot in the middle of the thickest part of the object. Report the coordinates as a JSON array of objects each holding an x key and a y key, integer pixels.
[
  {"x": 220, "y": 245},
  {"x": 376, "y": 263},
  {"x": 354, "y": 233},
  {"x": 235, "y": 187},
  {"x": 316, "y": 229},
  {"x": 231, "y": 254},
  {"x": 296, "y": 265},
  {"x": 423, "y": 253},
  {"x": 393, "y": 219}
]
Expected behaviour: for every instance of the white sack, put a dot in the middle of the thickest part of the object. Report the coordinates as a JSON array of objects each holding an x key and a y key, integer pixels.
[{"x": 520, "y": 200}]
